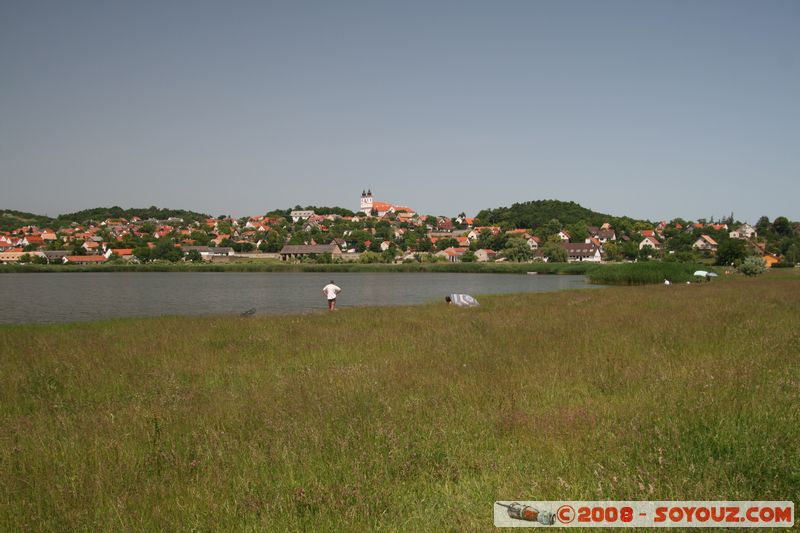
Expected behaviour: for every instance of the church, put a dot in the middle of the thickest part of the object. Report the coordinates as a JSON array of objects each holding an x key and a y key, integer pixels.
[{"x": 370, "y": 207}]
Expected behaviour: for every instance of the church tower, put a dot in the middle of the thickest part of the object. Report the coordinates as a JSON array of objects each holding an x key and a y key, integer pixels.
[{"x": 366, "y": 202}]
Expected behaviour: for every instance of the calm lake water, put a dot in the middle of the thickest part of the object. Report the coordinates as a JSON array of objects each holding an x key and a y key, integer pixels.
[{"x": 68, "y": 297}]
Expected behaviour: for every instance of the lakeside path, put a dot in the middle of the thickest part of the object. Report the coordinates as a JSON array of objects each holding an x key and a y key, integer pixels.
[{"x": 429, "y": 413}]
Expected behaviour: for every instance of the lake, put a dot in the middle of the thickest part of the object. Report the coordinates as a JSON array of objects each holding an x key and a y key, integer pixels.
[{"x": 69, "y": 297}]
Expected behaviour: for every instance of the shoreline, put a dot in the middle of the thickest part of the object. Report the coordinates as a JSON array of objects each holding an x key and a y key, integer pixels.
[
  {"x": 649, "y": 272},
  {"x": 267, "y": 312}
]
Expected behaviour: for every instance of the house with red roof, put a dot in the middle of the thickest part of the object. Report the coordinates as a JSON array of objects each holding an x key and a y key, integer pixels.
[
  {"x": 11, "y": 256},
  {"x": 650, "y": 241},
  {"x": 36, "y": 240},
  {"x": 770, "y": 260},
  {"x": 452, "y": 254},
  {"x": 595, "y": 241},
  {"x": 603, "y": 234},
  {"x": 705, "y": 243},
  {"x": 84, "y": 259},
  {"x": 476, "y": 232},
  {"x": 91, "y": 246},
  {"x": 123, "y": 253}
]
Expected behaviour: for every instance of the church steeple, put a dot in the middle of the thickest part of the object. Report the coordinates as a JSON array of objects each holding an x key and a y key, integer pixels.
[{"x": 366, "y": 202}]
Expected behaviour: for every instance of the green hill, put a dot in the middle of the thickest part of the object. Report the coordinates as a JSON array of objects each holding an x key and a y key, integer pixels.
[
  {"x": 102, "y": 213},
  {"x": 539, "y": 212},
  {"x": 11, "y": 220},
  {"x": 319, "y": 210}
]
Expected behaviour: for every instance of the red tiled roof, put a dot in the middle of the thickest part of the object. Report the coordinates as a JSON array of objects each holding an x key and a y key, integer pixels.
[{"x": 85, "y": 258}]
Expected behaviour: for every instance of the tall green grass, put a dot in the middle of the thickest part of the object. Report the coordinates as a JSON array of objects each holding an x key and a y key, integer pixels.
[
  {"x": 406, "y": 418},
  {"x": 645, "y": 273}
]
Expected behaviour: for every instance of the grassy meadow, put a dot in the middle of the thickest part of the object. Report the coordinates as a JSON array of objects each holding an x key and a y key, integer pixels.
[{"x": 403, "y": 418}]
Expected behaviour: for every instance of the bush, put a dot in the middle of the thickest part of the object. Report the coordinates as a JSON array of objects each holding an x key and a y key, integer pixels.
[
  {"x": 194, "y": 256},
  {"x": 369, "y": 257},
  {"x": 752, "y": 266}
]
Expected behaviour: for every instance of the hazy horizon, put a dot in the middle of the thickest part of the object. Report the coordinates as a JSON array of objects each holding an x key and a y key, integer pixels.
[{"x": 653, "y": 110}]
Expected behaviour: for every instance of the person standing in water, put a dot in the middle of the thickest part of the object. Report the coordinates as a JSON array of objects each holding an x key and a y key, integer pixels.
[{"x": 330, "y": 291}]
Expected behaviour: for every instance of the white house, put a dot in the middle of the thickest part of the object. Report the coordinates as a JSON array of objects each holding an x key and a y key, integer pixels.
[
  {"x": 475, "y": 233},
  {"x": 604, "y": 234},
  {"x": 298, "y": 215},
  {"x": 745, "y": 231},
  {"x": 581, "y": 251},
  {"x": 705, "y": 243},
  {"x": 485, "y": 254},
  {"x": 452, "y": 254},
  {"x": 651, "y": 242}
]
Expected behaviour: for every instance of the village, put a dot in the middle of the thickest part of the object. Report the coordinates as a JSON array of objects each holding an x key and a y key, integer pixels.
[{"x": 382, "y": 232}]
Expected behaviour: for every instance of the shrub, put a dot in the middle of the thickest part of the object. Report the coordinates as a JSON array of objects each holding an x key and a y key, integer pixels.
[{"x": 752, "y": 266}]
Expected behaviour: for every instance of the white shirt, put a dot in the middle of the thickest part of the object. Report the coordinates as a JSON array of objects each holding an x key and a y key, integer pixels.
[
  {"x": 463, "y": 300},
  {"x": 331, "y": 291}
]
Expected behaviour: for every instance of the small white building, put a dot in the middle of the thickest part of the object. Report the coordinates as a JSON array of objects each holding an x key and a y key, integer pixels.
[
  {"x": 705, "y": 243},
  {"x": 581, "y": 251},
  {"x": 651, "y": 242},
  {"x": 299, "y": 215},
  {"x": 485, "y": 255},
  {"x": 745, "y": 231}
]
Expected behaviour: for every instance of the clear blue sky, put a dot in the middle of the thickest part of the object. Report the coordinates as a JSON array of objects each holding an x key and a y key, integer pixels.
[{"x": 654, "y": 109}]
